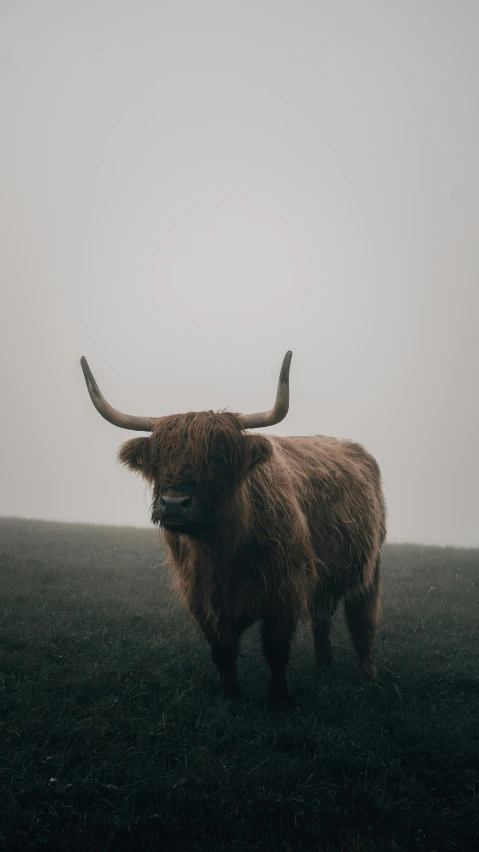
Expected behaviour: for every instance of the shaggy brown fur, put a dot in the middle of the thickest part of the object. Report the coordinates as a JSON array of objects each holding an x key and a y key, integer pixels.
[{"x": 299, "y": 524}]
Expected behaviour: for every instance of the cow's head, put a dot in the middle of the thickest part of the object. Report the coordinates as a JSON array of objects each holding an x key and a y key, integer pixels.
[{"x": 193, "y": 461}]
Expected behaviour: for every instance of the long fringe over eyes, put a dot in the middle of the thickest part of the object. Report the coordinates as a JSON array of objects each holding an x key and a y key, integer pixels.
[{"x": 182, "y": 442}]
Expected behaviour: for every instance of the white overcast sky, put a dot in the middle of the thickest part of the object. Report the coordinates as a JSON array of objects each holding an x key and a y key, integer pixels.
[{"x": 189, "y": 189}]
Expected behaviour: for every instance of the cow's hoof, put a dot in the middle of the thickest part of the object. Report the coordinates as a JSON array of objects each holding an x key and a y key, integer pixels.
[
  {"x": 231, "y": 691},
  {"x": 233, "y": 696},
  {"x": 367, "y": 670},
  {"x": 324, "y": 660},
  {"x": 278, "y": 701}
]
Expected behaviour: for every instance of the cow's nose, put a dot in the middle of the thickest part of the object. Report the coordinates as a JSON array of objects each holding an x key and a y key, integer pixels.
[{"x": 180, "y": 502}]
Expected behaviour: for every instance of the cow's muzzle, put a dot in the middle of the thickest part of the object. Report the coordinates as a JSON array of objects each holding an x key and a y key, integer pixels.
[{"x": 172, "y": 510}]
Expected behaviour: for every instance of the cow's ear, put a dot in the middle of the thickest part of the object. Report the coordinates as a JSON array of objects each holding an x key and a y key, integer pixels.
[
  {"x": 259, "y": 449},
  {"x": 135, "y": 455}
]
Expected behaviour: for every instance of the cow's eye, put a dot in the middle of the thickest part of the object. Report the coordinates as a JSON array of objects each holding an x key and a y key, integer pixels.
[{"x": 217, "y": 461}]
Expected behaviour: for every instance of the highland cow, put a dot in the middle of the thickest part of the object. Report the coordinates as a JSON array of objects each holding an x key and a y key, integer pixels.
[{"x": 262, "y": 528}]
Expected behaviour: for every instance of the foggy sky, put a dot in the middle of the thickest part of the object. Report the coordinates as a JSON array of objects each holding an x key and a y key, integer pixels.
[{"x": 188, "y": 189}]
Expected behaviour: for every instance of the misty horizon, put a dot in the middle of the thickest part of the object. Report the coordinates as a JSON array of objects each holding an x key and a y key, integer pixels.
[{"x": 190, "y": 191}]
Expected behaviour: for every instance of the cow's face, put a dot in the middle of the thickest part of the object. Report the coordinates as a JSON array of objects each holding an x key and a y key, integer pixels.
[{"x": 193, "y": 463}]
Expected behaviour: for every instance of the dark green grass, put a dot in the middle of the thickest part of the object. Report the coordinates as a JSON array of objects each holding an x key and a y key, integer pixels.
[{"x": 113, "y": 734}]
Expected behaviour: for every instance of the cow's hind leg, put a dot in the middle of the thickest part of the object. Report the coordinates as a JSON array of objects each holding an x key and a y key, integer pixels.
[
  {"x": 362, "y": 614},
  {"x": 277, "y": 630},
  {"x": 322, "y": 610}
]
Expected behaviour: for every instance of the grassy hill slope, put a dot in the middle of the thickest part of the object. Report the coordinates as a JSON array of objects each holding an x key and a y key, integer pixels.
[{"x": 113, "y": 734}]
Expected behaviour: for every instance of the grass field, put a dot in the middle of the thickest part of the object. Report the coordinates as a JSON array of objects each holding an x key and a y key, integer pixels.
[{"x": 113, "y": 734}]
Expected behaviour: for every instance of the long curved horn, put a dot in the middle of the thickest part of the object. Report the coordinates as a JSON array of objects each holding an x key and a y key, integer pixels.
[
  {"x": 280, "y": 410},
  {"x": 126, "y": 421}
]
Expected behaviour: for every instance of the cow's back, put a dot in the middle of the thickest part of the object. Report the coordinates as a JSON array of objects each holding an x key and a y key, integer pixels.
[{"x": 338, "y": 486}]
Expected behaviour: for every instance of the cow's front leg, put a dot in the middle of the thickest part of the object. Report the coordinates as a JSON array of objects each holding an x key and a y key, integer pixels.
[
  {"x": 277, "y": 630},
  {"x": 224, "y": 653},
  {"x": 224, "y": 639}
]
